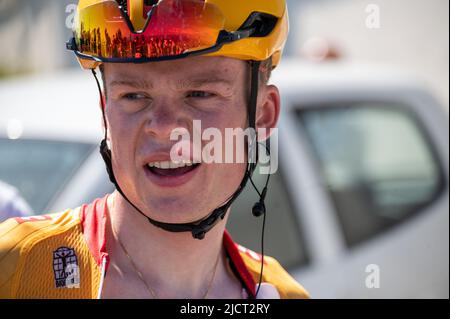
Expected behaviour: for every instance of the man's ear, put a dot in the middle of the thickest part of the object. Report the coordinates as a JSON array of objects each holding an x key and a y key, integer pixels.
[{"x": 268, "y": 111}]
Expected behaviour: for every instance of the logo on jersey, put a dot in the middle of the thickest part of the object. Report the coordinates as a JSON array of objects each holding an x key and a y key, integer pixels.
[
  {"x": 65, "y": 268},
  {"x": 250, "y": 253}
]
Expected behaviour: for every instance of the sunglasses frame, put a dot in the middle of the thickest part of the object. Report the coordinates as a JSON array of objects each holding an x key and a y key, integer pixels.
[{"x": 224, "y": 37}]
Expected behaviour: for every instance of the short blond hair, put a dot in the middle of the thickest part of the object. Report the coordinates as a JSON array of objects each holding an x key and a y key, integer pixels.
[{"x": 265, "y": 71}]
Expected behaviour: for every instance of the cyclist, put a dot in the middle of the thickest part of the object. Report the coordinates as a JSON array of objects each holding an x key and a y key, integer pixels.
[{"x": 161, "y": 234}]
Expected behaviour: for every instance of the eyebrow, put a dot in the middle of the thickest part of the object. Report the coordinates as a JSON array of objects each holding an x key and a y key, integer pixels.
[
  {"x": 137, "y": 84},
  {"x": 182, "y": 84},
  {"x": 199, "y": 82}
]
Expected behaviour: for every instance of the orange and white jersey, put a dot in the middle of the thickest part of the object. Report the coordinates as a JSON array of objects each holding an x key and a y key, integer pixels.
[{"x": 64, "y": 255}]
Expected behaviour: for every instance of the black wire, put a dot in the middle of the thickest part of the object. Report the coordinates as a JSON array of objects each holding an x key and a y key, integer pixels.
[
  {"x": 101, "y": 101},
  {"x": 262, "y": 255},
  {"x": 268, "y": 178},
  {"x": 264, "y": 222},
  {"x": 254, "y": 186}
]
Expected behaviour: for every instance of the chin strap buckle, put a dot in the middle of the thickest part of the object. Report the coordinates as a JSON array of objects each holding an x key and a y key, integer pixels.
[{"x": 198, "y": 234}]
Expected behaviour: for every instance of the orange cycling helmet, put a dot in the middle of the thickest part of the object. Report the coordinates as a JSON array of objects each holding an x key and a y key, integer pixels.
[{"x": 144, "y": 31}]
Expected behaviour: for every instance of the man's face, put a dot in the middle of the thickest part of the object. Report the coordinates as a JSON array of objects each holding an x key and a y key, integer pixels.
[{"x": 146, "y": 103}]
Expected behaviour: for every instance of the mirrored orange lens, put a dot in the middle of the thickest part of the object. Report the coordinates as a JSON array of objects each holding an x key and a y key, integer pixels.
[{"x": 175, "y": 27}]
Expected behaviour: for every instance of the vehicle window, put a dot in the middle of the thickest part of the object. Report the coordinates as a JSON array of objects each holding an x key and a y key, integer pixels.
[
  {"x": 377, "y": 164},
  {"x": 39, "y": 168},
  {"x": 283, "y": 237}
]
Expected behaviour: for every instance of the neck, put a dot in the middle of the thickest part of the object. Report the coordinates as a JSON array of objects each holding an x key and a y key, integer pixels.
[{"x": 174, "y": 265}]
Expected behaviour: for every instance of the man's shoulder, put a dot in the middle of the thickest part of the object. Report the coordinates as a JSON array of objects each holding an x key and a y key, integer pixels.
[
  {"x": 273, "y": 273},
  {"x": 19, "y": 236},
  {"x": 18, "y": 230}
]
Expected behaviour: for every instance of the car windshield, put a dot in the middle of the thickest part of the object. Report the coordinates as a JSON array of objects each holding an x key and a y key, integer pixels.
[{"x": 40, "y": 168}]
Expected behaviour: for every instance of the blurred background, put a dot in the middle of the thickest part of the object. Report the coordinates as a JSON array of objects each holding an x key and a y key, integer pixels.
[{"x": 359, "y": 206}]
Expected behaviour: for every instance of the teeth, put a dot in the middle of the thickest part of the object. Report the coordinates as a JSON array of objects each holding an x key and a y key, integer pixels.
[
  {"x": 170, "y": 164},
  {"x": 165, "y": 165}
]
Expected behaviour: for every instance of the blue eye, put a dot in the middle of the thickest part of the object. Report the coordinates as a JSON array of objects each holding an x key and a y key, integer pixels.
[
  {"x": 134, "y": 96},
  {"x": 200, "y": 94}
]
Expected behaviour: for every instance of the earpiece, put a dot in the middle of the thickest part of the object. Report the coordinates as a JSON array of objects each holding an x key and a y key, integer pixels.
[{"x": 259, "y": 208}]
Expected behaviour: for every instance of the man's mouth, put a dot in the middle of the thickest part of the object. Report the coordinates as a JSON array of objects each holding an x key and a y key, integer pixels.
[{"x": 171, "y": 169}]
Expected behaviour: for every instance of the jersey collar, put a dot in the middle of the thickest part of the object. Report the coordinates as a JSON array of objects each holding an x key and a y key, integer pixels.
[{"x": 93, "y": 220}]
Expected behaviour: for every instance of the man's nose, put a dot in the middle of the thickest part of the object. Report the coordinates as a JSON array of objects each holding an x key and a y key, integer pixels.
[{"x": 164, "y": 118}]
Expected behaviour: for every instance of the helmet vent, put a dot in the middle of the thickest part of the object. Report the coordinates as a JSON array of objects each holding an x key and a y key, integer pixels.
[{"x": 262, "y": 23}]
